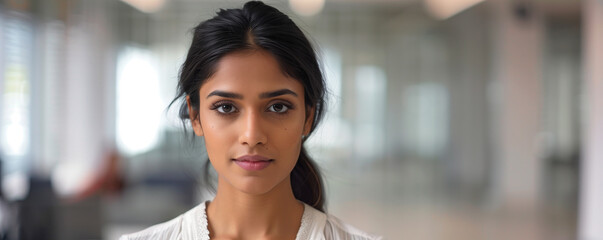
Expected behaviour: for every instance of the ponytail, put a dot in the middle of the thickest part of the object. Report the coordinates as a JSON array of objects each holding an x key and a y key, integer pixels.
[{"x": 307, "y": 183}]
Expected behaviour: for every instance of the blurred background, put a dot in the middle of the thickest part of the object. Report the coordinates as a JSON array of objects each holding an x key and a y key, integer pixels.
[{"x": 448, "y": 119}]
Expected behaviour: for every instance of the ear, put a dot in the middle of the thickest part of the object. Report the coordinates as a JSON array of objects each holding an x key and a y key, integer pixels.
[
  {"x": 194, "y": 117},
  {"x": 309, "y": 120}
]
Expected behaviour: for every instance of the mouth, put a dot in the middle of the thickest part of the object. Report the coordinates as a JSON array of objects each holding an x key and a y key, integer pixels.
[{"x": 253, "y": 162}]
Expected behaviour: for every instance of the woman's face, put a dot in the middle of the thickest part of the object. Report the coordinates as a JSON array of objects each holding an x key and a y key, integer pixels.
[{"x": 252, "y": 117}]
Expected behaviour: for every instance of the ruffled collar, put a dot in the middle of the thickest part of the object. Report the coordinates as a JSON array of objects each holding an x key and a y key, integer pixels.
[{"x": 304, "y": 232}]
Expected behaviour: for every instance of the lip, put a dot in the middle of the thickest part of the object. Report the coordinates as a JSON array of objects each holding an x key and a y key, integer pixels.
[{"x": 253, "y": 162}]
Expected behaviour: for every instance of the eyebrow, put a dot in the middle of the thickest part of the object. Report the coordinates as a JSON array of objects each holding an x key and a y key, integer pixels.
[
  {"x": 277, "y": 93},
  {"x": 225, "y": 94},
  {"x": 263, "y": 95}
]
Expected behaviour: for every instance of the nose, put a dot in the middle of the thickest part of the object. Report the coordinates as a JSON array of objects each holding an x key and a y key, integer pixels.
[{"x": 252, "y": 132}]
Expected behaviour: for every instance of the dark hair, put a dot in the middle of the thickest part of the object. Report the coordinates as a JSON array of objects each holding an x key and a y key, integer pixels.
[{"x": 259, "y": 27}]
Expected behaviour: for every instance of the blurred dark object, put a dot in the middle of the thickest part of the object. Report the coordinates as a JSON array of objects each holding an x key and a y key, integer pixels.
[
  {"x": 36, "y": 213},
  {"x": 42, "y": 215},
  {"x": 522, "y": 11}
]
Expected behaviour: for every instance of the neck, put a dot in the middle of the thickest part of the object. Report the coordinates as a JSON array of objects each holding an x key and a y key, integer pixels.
[{"x": 235, "y": 214}]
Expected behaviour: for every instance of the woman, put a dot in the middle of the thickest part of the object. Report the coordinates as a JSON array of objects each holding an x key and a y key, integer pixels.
[{"x": 252, "y": 87}]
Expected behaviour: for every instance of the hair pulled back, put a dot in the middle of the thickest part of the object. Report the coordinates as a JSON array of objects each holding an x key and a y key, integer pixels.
[{"x": 259, "y": 27}]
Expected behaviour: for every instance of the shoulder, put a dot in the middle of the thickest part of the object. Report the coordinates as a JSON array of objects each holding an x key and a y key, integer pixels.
[
  {"x": 181, "y": 227},
  {"x": 166, "y": 230},
  {"x": 319, "y": 225},
  {"x": 337, "y": 229}
]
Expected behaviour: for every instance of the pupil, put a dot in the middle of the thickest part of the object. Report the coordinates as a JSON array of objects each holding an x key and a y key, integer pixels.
[
  {"x": 278, "y": 107},
  {"x": 226, "y": 108}
]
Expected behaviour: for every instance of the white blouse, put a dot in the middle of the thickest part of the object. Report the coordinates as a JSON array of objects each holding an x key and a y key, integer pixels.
[{"x": 192, "y": 225}]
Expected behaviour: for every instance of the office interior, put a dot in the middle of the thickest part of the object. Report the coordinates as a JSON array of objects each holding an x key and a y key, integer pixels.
[{"x": 447, "y": 119}]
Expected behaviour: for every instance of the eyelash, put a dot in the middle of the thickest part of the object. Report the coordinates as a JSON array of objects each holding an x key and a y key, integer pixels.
[{"x": 215, "y": 107}]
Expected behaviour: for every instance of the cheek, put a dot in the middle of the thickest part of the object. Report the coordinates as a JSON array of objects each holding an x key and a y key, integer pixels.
[
  {"x": 216, "y": 138},
  {"x": 289, "y": 136}
]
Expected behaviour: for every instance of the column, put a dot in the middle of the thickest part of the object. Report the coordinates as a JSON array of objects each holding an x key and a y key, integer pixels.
[
  {"x": 517, "y": 74},
  {"x": 591, "y": 198}
]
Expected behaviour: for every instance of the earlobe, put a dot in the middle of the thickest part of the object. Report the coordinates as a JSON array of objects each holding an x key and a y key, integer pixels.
[{"x": 194, "y": 117}]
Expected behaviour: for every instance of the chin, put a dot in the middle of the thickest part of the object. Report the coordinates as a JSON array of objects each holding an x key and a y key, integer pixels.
[{"x": 257, "y": 185}]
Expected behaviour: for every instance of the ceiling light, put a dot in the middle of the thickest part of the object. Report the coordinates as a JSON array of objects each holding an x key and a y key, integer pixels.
[
  {"x": 307, "y": 7},
  {"x": 443, "y": 9},
  {"x": 147, "y": 6}
]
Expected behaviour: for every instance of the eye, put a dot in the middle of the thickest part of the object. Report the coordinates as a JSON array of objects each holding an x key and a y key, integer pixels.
[
  {"x": 278, "y": 108},
  {"x": 226, "y": 108}
]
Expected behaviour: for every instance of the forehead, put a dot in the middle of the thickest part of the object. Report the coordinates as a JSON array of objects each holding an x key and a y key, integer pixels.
[{"x": 250, "y": 72}]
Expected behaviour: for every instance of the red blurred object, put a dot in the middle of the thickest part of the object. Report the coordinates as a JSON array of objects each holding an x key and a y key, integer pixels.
[{"x": 108, "y": 181}]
